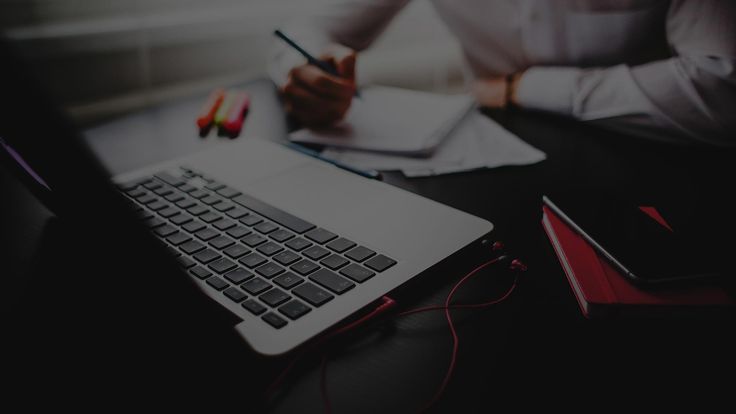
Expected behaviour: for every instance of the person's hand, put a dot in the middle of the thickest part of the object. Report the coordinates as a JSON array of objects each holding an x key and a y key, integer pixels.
[
  {"x": 316, "y": 98},
  {"x": 497, "y": 92}
]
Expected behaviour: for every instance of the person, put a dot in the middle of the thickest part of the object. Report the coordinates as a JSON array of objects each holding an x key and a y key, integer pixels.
[{"x": 664, "y": 69}]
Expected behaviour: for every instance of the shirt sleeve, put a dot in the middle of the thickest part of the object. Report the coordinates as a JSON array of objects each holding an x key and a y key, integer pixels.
[
  {"x": 352, "y": 23},
  {"x": 687, "y": 98}
]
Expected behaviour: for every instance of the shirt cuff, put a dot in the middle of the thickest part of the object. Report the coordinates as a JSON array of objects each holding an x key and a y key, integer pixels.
[{"x": 549, "y": 89}]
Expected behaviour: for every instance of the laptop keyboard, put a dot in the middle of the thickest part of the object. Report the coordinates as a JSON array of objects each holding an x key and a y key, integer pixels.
[{"x": 274, "y": 264}]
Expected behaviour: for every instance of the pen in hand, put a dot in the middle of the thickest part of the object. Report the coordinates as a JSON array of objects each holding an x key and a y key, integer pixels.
[{"x": 325, "y": 66}]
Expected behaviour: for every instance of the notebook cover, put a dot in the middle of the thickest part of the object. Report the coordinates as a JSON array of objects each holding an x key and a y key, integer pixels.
[{"x": 601, "y": 290}]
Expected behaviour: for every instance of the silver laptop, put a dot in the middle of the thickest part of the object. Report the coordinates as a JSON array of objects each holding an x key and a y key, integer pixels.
[{"x": 288, "y": 243}]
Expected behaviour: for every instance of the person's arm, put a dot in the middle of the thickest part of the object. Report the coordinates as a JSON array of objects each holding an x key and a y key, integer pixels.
[{"x": 688, "y": 98}]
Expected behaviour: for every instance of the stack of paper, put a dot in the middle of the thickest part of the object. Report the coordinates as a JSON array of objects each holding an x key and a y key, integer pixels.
[
  {"x": 420, "y": 134},
  {"x": 478, "y": 142}
]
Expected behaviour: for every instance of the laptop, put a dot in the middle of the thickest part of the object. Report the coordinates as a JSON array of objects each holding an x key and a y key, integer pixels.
[{"x": 288, "y": 244}]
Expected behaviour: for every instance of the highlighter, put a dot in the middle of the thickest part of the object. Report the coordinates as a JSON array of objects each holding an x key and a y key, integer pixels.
[{"x": 207, "y": 114}]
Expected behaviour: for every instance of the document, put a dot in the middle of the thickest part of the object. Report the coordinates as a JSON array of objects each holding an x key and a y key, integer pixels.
[
  {"x": 394, "y": 121},
  {"x": 476, "y": 142}
]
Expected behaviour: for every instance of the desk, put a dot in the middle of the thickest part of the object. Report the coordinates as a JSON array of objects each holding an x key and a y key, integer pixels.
[{"x": 534, "y": 345}]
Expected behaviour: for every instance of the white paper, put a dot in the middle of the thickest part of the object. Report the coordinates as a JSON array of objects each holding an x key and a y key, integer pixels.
[
  {"x": 393, "y": 120},
  {"x": 477, "y": 142}
]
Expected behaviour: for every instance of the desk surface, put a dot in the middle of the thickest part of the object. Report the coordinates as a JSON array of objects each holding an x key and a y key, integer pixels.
[{"x": 526, "y": 344}]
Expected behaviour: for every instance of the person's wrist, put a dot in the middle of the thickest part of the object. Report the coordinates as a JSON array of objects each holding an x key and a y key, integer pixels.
[{"x": 512, "y": 87}]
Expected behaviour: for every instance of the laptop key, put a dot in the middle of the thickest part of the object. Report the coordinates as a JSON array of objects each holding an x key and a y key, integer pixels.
[
  {"x": 173, "y": 251},
  {"x": 298, "y": 244},
  {"x": 222, "y": 265},
  {"x": 187, "y": 188},
  {"x": 237, "y": 213},
  {"x": 154, "y": 222},
  {"x": 210, "y": 217},
  {"x": 210, "y": 200},
  {"x": 357, "y": 273},
  {"x": 288, "y": 280},
  {"x": 266, "y": 227},
  {"x": 147, "y": 199},
  {"x": 185, "y": 262},
  {"x": 274, "y": 297},
  {"x": 270, "y": 248},
  {"x": 221, "y": 242},
  {"x": 199, "y": 193},
  {"x": 165, "y": 230},
  {"x": 281, "y": 217},
  {"x": 200, "y": 272},
  {"x": 224, "y": 206},
  {"x": 192, "y": 247},
  {"x": 254, "y": 307},
  {"x": 206, "y": 234},
  {"x": 194, "y": 226},
  {"x": 236, "y": 251},
  {"x": 186, "y": 203},
  {"x": 304, "y": 267},
  {"x": 198, "y": 210},
  {"x": 235, "y": 294},
  {"x": 170, "y": 179},
  {"x": 380, "y": 263},
  {"x": 168, "y": 212},
  {"x": 214, "y": 185},
  {"x": 217, "y": 283},
  {"x": 238, "y": 275},
  {"x": 270, "y": 270},
  {"x": 281, "y": 235},
  {"x": 256, "y": 286},
  {"x": 238, "y": 232},
  {"x": 335, "y": 261},
  {"x": 163, "y": 191},
  {"x": 228, "y": 192},
  {"x": 252, "y": 260},
  {"x": 332, "y": 281},
  {"x": 321, "y": 236},
  {"x": 174, "y": 197},
  {"x": 157, "y": 205},
  {"x": 178, "y": 238},
  {"x": 207, "y": 255},
  {"x": 253, "y": 240},
  {"x": 360, "y": 253},
  {"x": 274, "y": 320},
  {"x": 251, "y": 220},
  {"x": 224, "y": 224},
  {"x": 180, "y": 219},
  {"x": 152, "y": 185},
  {"x": 137, "y": 192},
  {"x": 341, "y": 245},
  {"x": 314, "y": 295},
  {"x": 316, "y": 252},
  {"x": 294, "y": 309},
  {"x": 286, "y": 257}
]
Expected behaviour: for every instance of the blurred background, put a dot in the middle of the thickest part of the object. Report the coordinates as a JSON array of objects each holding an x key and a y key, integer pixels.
[{"x": 103, "y": 58}]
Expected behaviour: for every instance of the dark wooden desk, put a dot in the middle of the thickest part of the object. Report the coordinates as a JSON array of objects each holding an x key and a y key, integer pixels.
[{"x": 534, "y": 345}]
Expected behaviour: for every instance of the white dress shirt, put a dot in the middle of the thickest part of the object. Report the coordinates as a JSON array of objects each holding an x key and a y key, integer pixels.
[{"x": 659, "y": 68}]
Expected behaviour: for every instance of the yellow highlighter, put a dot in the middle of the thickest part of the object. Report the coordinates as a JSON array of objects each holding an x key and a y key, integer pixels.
[{"x": 222, "y": 111}]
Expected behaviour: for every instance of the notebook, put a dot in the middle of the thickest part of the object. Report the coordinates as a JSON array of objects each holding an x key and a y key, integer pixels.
[
  {"x": 393, "y": 120},
  {"x": 602, "y": 292}
]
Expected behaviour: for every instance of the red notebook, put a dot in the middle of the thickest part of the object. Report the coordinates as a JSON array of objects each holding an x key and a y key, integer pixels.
[{"x": 602, "y": 291}]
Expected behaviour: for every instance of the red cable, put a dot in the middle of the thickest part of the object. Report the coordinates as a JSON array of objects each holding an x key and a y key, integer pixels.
[
  {"x": 455, "y": 339},
  {"x": 386, "y": 305}
]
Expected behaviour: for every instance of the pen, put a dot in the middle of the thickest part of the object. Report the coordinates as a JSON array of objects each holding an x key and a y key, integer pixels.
[
  {"x": 372, "y": 174},
  {"x": 323, "y": 65}
]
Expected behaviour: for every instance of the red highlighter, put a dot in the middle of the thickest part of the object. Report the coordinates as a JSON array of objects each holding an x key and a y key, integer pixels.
[
  {"x": 233, "y": 122},
  {"x": 207, "y": 114}
]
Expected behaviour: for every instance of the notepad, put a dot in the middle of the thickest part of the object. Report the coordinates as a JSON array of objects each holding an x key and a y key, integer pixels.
[{"x": 393, "y": 120}]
